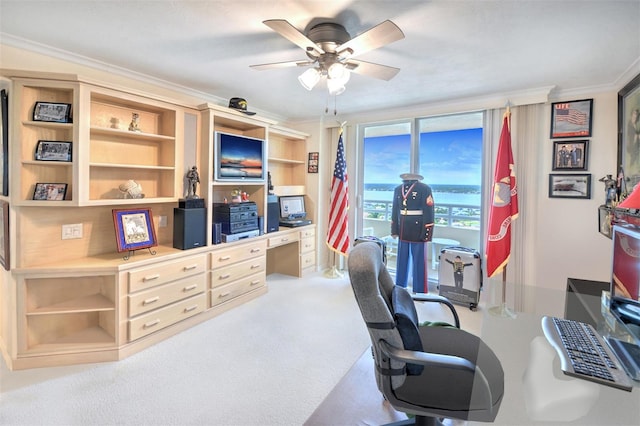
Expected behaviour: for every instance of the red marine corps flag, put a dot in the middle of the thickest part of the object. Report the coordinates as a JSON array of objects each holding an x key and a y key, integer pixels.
[{"x": 504, "y": 203}]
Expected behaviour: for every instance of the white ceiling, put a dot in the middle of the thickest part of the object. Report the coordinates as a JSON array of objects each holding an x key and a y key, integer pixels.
[{"x": 453, "y": 49}]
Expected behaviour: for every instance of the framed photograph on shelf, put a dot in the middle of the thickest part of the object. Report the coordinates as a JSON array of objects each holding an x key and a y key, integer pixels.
[
  {"x": 629, "y": 132},
  {"x": 605, "y": 226},
  {"x": 4, "y": 150},
  {"x": 570, "y": 155},
  {"x": 312, "y": 166},
  {"x": 134, "y": 229},
  {"x": 4, "y": 238},
  {"x": 53, "y": 151},
  {"x": 570, "y": 185},
  {"x": 50, "y": 191},
  {"x": 571, "y": 119},
  {"x": 52, "y": 111}
]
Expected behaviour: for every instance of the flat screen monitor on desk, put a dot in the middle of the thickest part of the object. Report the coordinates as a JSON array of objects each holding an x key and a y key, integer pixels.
[
  {"x": 625, "y": 277},
  {"x": 292, "y": 211}
]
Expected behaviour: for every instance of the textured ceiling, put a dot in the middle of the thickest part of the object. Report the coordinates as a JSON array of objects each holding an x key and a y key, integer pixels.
[{"x": 452, "y": 50}]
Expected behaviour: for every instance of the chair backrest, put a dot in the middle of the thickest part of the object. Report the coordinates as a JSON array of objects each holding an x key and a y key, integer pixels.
[{"x": 373, "y": 288}]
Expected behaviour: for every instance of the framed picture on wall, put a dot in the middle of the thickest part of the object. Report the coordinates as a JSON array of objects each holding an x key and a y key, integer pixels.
[
  {"x": 569, "y": 186},
  {"x": 570, "y": 155},
  {"x": 629, "y": 132},
  {"x": 571, "y": 119}
]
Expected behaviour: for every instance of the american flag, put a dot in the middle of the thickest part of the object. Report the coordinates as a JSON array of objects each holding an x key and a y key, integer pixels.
[
  {"x": 338, "y": 233},
  {"x": 572, "y": 116}
]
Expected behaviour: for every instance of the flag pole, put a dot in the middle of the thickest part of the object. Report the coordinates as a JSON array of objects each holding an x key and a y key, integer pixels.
[
  {"x": 333, "y": 271},
  {"x": 503, "y": 310}
]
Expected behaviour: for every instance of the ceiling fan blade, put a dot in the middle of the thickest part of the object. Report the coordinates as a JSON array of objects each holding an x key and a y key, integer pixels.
[
  {"x": 378, "y": 36},
  {"x": 274, "y": 65},
  {"x": 288, "y": 31},
  {"x": 382, "y": 72}
]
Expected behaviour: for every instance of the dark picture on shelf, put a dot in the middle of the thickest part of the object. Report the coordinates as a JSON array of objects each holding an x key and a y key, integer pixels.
[
  {"x": 52, "y": 111},
  {"x": 134, "y": 229},
  {"x": 4, "y": 151},
  {"x": 50, "y": 191},
  {"x": 53, "y": 151},
  {"x": 570, "y": 155}
]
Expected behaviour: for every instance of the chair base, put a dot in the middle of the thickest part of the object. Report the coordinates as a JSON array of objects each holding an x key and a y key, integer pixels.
[{"x": 418, "y": 421}]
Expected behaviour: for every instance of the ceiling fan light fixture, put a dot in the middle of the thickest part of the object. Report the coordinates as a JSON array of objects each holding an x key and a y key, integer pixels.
[
  {"x": 336, "y": 70},
  {"x": 335, "y": 86},
  {"x": 309, "y": 78}
]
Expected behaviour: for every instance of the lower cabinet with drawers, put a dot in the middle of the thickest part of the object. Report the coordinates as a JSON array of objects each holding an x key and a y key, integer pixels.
[{"x": 105, "y": 309}]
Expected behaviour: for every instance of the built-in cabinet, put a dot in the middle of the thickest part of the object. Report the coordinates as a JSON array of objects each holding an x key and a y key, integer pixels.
[{"x": 67, "y": 301}]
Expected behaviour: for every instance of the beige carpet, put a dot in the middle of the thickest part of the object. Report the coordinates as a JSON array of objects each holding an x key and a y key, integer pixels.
[{"x": 271, "y": 361}]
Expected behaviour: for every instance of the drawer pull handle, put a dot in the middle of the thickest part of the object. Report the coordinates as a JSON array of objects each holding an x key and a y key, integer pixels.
[
  {"x": 255, "y": 266},
  {"x": 255, "y": 282},
  {"x": 191, "y": 287},
  {"x": 223, "y": 258},
  {"x": 255, "y": 250},
  {"x": 151, "y": 277},
  {"x": 151, "y": 323},
  {"x": 190, "y": 267},
  {"x": 190, "y": 308},
  {"x": 284, "y": 240},
  {"x": 223, "y": 295},
  {"x": 150, "y": 301},
  {"x": 224, "y": 277}
]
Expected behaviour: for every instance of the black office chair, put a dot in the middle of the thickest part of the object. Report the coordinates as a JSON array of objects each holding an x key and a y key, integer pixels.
[{"x": 430, "y": 371}]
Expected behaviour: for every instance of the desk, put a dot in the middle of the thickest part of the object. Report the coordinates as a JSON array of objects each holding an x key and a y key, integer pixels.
[
  {"x": 511, "y": 340},
  {"x": 436, "y": 245}
]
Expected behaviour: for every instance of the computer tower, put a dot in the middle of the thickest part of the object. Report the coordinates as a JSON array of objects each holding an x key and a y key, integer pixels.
[
  {"x": 189, "y": 228},
  {"x": 273, "y": 214}
]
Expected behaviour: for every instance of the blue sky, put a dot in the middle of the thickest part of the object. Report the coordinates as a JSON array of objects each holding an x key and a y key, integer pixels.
[{"x": 451, "y": 157}]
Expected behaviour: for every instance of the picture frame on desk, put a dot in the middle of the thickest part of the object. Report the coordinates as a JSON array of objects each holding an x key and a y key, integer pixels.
[
  {"x": 50, "y": 191},
  {"x": 53, "y": 151},
  {"x": 55, "y": 112},
  {"x": 605, "y": 225},
  {"x": 629, "y": 132},
  {"x": 570, "y": 155},
  {"x": 4, "y": 238},
  {"x": 576, "y": 185},
  {"x": 571, "y": 119},
  {"x": 134, "y": 229}
]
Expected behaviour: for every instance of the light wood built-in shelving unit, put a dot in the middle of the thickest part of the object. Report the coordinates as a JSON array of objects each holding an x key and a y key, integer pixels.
[{"x": 68, "y": 301}]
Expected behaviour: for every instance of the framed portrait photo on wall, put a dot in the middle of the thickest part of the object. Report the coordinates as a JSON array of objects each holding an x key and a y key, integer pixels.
[
  {"x": 629, "y": 132},
  {"x": 570, "y": 155}
]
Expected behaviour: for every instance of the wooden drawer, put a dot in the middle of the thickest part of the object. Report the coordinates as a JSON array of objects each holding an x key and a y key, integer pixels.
[
  {"x": 290, "y": 237},
  {"x": 164, "y": 317},
  {"x": 150, "y": 276},
  {"x": 307, "y": 244},
  {"x": 306, "y": 233},
  {"x": 163, "y": 295},
  {"x": 238, "y": 270},
  {"x": 307, "y": 260},
  {"x": 229, "y": 291},
  {"x": 235, "y": 254}
]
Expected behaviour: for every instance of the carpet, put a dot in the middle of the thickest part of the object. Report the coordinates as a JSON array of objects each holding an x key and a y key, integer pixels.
[{"x": 271, "y": 361}]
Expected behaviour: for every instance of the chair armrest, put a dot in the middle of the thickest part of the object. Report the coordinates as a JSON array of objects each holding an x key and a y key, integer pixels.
[
  {"x": 437, "y": 360},
  {"x": 438, "y": 299}
]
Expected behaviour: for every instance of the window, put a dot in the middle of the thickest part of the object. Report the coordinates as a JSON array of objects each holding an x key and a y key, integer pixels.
[{"x": 447, "y": 151}]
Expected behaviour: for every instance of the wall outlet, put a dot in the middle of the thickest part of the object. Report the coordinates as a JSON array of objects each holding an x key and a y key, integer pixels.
[
  {"x": 73, "y": 231},
  {"x": 162, "y": 221}
]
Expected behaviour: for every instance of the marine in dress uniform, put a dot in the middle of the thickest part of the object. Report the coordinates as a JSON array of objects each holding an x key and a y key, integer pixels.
[{"x": 412, "y": 218}]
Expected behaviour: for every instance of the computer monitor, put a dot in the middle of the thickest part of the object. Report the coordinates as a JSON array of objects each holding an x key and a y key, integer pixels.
[
  {"x": 292, "y": 206},
  {"x": 625, "y": 276}
]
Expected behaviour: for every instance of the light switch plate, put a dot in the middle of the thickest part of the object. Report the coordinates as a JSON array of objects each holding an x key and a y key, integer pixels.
[{"x": 72, "y": 231}]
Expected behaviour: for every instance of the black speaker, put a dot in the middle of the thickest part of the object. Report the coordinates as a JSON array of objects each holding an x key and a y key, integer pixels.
[
  {"x": 273, "y": 215},
  {"x": 189, "y": 228},
  {"x": 261, "y": 224},
  {"x": 217, "y": 233}
]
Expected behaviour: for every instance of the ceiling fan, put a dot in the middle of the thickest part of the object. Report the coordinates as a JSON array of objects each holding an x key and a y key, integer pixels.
[{"x": 331, "y": 51}]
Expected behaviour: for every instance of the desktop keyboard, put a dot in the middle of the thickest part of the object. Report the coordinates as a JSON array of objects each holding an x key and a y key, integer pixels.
[{"x": 584, "y": 354}]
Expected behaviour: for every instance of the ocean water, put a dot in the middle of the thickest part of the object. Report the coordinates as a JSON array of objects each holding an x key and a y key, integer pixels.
[{"x": 442, "y": 194}]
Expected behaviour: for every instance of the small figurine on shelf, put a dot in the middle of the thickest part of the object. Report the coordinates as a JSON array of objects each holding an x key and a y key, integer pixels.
[
  {"x": 244, "y": 196},
  {"x": 194, "y": 179},
  {"x": 134, "y": 126},
  {"x": 611, "y": 190},
  {"x": 236, "y": 196},
  {"x": 269, "y": 183}
]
